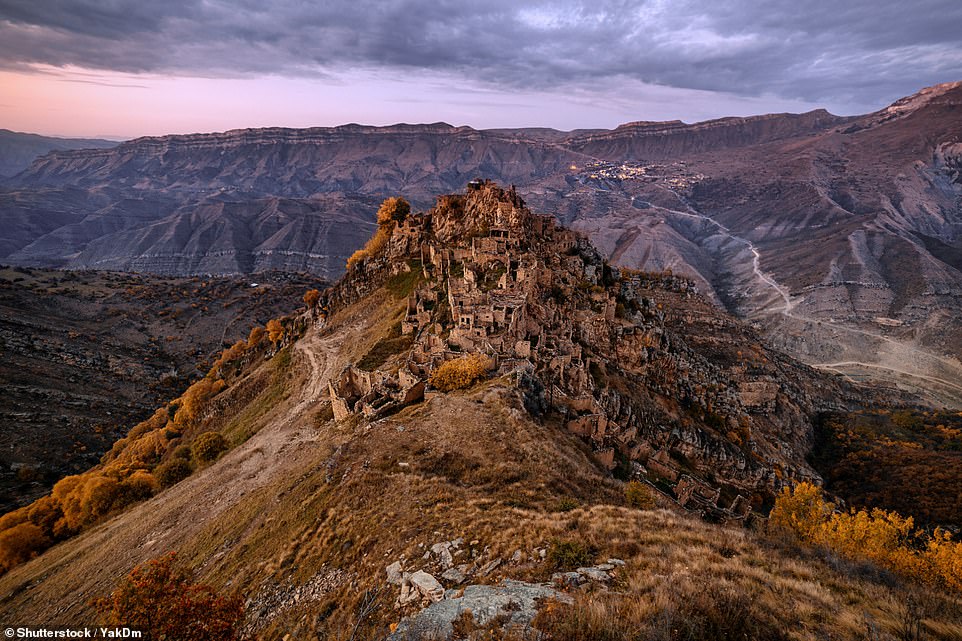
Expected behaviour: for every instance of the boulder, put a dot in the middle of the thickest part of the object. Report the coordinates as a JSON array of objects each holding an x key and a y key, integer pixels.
[
  {"x": 429, "y": 587},
  {"x": 514, "y": 602},
  {"x": 394, "y": 573}
]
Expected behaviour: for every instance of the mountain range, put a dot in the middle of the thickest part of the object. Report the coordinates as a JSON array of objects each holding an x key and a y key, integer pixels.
[{"x": 841, "y": 237}]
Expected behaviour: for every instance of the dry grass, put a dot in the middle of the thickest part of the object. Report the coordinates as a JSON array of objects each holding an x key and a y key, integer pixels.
[{"x": 306, "y": 499}]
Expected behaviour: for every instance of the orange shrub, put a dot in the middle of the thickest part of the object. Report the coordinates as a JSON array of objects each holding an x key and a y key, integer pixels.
[
  {"x": 885, "y": 538},
  {"x": 255, "y": 337},
  {"x": 162, "y": 601},
  {"x": 195, "y": 398},
  {"x": 311, "y": 298},
  {"x": 20, "y": 544},
  {"x": 393, "y": 210},
  {"x": 460, "y": 373},
  {"x": 275, "y": 330}
]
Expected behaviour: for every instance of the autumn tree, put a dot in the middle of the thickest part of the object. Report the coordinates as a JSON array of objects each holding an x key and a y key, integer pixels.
[
  {"x": 393, "y": 210},
  {"x": 311, "y": 298},
  {"x": 161, "y": 601},
  {"x": 885, "y": 538},
  {"x": 275, "y": 331},
  {"x": 255, "y": 337}
]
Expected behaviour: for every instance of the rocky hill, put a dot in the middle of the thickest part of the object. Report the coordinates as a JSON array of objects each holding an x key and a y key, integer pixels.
[
  {"x": 838, "y": 236},
  {"x": 447, "y": 429},
  {"x": 84, "y": 355}
]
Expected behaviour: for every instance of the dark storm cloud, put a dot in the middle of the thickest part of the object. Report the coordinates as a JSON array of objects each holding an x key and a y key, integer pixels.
[{"x": 842, "y": 51}]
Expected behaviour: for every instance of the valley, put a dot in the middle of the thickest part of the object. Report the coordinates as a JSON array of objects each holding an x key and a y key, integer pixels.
[{"x": 85, "y": 355}]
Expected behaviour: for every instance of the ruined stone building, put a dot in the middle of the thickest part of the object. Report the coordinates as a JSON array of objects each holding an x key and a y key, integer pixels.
[{"x": 540, "y": 302}]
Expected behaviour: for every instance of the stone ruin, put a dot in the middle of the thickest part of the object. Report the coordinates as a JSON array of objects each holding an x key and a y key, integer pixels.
[{"x": 538, "y": 300}]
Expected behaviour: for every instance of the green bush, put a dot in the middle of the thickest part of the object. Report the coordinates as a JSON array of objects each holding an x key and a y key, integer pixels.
[
  {"x": 172, "y": 472},
  {"x": 569, "y": 555},
  {"x": 639, "y": 496},
  {"x": 208, "y": 446}
]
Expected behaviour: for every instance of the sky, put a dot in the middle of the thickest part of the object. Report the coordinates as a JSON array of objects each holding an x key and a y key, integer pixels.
[{"x": 126, "y": 68}]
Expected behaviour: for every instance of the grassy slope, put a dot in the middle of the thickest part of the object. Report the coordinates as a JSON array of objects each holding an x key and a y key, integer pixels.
[{"x": 309, "y": 503}]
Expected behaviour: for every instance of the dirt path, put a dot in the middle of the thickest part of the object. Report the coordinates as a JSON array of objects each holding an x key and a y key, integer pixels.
[
  {"x": 932, "y": 379},
  {"x": 179, "y": 516}
]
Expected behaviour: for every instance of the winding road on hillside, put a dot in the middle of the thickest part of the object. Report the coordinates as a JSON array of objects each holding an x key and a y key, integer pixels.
[{"x": 788, "y": 310}]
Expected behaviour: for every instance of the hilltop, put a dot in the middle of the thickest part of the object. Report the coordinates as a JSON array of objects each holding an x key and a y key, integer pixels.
[
  {"x": 19, "y": 150},
  {"x": 460, "y": 412}
]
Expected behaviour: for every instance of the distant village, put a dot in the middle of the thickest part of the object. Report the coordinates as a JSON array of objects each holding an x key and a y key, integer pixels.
[{"x": 676, "y": 176}]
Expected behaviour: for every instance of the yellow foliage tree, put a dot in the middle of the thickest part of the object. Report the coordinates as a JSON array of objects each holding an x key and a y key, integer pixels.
[
  {"x": 311, "y": 298},
  {"x": 393, "y": 210},
  {"x": 275, "y": 331},
  {"x": 255, "y": 337},
  {"x": 800, "y": 511}
]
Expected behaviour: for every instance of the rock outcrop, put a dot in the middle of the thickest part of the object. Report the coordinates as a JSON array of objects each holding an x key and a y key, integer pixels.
[{"x": 636, "y": 364}]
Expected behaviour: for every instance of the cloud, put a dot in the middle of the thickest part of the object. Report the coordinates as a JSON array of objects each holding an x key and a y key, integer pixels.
[{"x": 855, "y": 51}]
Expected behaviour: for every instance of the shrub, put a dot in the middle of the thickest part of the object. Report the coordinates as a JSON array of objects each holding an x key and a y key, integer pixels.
[
  {"x": 163, "y": 602},
  {"x": 208, "y": 446},
  {"x": 800, "y": 511},
  {"x": 884, "y": 538},
  {"x": 311, "y": 298},
  {"x": 569, "y": 555},
  {"x": 20, "y": 544},
  {"x": 639, "y": 496},
  {"x": 355, "y": 258},
  {"x": 275, "y": 331},
  {"x": 391, "y": 212},
  {"x": 193, "y": 401},
  {"x": 255, "y": 337},
  {"x": 137, "y": 487},
  {"x": 182, "y": 451},
  {"x": 172, "y": 472},
  {"x": 460, "y": 373}
]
